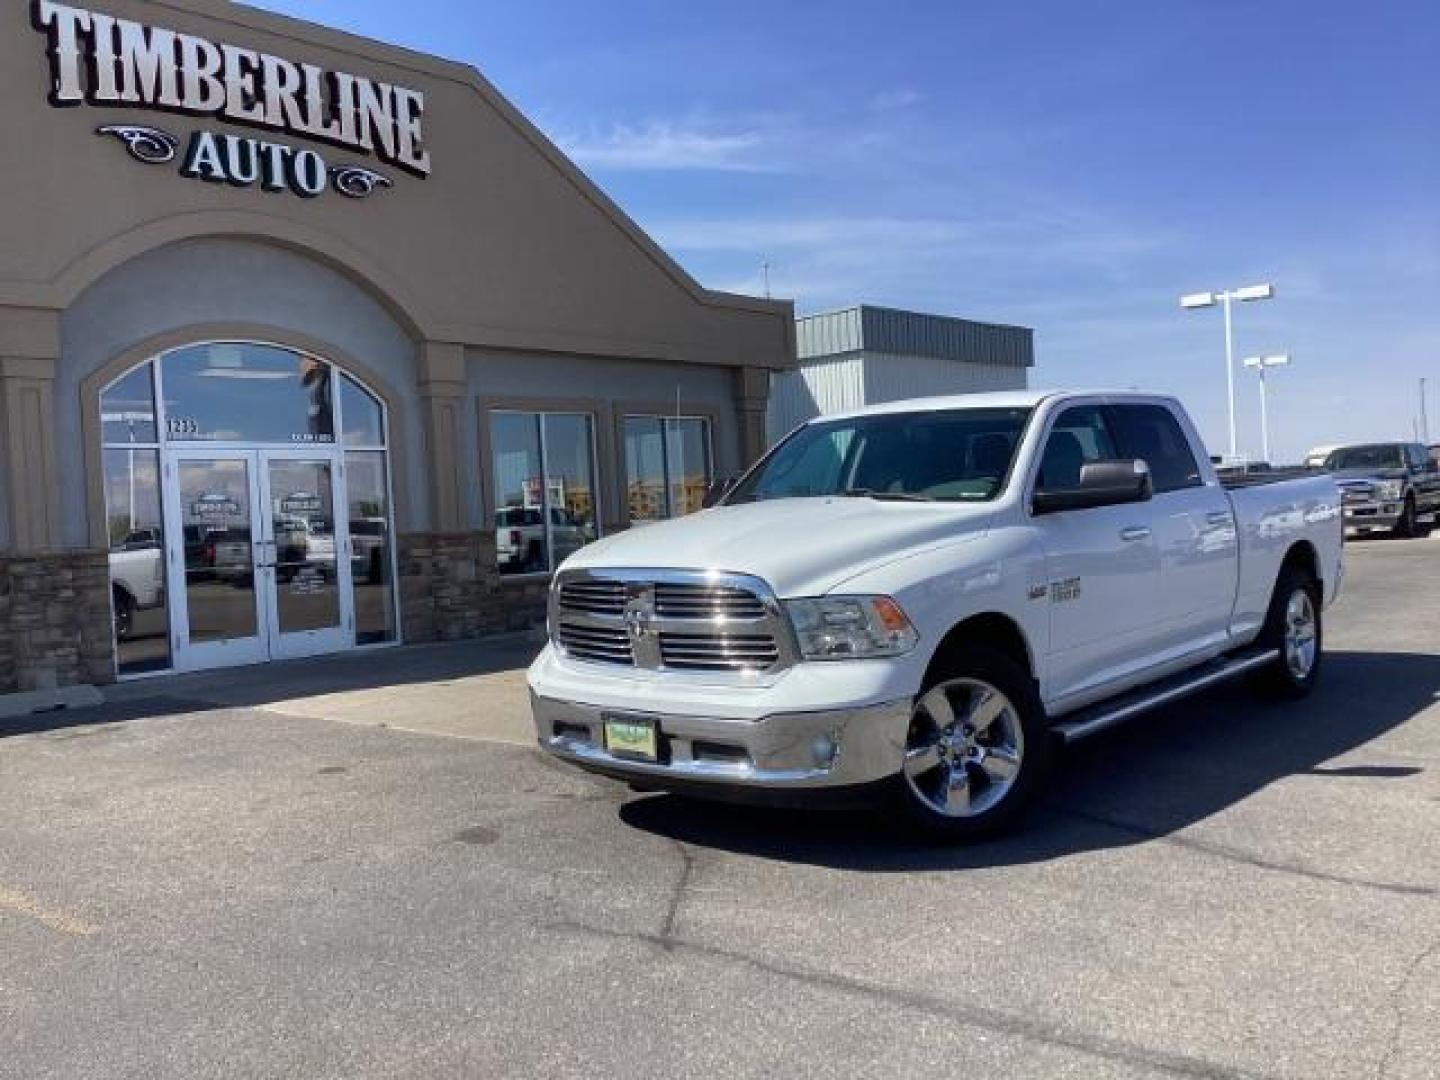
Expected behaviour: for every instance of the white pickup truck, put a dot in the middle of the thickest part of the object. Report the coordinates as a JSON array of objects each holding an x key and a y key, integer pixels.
[{"x": 924, "y": 599}]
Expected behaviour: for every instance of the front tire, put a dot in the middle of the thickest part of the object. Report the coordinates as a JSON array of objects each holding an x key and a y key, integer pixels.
[
  {"x": 1409, "y": 525},
  {"x": 977, "y": 750},
  {"x": 1295, "y": 629}
]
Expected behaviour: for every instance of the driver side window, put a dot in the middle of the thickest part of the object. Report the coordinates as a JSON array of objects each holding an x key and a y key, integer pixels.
[{"x": 1079, "y": 437}]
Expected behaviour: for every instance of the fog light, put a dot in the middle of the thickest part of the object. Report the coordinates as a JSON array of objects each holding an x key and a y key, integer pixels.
[{"x": 822, "y": 750}]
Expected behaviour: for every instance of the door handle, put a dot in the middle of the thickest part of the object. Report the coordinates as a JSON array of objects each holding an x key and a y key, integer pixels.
[
  {"x": 1218, "y": 517},
  {"x": 1133, "y": 533}
]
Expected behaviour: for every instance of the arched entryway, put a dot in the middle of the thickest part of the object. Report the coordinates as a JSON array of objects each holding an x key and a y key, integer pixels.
[{"x": 248, "y": 506}]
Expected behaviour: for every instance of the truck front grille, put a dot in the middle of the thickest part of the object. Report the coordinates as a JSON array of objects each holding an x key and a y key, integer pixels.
[{"x": 670, "y": 621}]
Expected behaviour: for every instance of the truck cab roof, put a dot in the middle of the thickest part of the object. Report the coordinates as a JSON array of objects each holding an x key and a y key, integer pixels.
[{"x": 996, "y": 399}]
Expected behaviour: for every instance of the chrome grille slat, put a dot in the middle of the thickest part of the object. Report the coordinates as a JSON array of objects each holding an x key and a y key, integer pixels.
[
  {"x": 609, "y": 645},
  {"x": 706, "y": 602},
  {"x": 718, "y": 652},
  {"x": 671, "y": 620},
  {"x": 600, "y": 597},
  {"x": 585, "y": 633}
]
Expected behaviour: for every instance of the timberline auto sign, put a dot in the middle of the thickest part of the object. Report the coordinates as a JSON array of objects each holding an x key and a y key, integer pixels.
[{"x": 101, "y": 60}]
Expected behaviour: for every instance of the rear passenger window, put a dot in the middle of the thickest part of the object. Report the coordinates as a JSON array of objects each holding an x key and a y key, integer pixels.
[
  {"x": 1080, "y": 437},
  {"x": 1152, "y": 432}
]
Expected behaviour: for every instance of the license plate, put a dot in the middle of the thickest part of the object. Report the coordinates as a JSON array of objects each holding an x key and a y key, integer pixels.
[{"x": 632, "y": 737}]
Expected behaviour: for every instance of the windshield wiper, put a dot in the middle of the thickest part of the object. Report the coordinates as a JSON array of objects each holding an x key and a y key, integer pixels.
[{"x": 890, "y": 496}]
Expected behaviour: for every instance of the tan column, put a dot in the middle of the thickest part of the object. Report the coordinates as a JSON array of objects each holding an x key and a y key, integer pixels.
[
  {"x": 29, "y": 348},
  {"x": 442, "y": 389},
  {"x": 752, "y": 395}
]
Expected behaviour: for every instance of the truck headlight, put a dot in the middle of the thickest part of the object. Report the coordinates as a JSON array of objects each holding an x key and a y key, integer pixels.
[
  {"x": 1390, "y": 490},
  {"x": 850, "y": 627}
]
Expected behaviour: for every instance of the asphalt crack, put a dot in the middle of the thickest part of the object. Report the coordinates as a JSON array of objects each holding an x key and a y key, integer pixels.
[
  {"x": 1235, "y": 855},
  {"x": 1397, "y": 1007},
  {"x": 986, "y": 1019}
]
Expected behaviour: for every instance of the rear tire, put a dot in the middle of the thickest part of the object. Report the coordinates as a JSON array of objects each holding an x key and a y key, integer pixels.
[
  {"x": 1294, "y": 627},
  {"x": 977, "y": 751},
  {"x": 124, "y": 614}
]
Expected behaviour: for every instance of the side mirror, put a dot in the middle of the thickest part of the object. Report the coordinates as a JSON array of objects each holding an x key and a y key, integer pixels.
[
  {"x": 718, "y": 489},
  {"x": 1102, "y": 483}
]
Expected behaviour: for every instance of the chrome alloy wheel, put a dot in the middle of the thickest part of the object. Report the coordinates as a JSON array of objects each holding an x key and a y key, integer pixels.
[
  {"x": 1300, "y": 646},
  {"x": 964, "y": 748}
]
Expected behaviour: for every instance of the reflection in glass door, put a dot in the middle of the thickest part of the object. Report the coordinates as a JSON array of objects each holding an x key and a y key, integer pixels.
[
  {"x": 307, "y": 601},
  {"x": 248, "y": 507},
  {"x": 260, "y": 575},
  {"x": 214, "y": 557}
]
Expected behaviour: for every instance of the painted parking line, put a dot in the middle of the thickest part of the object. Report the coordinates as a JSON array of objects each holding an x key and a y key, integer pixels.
[{"x": 59, "y": 921}]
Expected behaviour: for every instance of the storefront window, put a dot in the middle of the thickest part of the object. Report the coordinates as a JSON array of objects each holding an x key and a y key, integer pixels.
[
  {"x": 127, "y": 410},
  {"x": 687, "y": 464},
  {"x": 668, "y": 467},
  {"x": 317, "y": 519},
  {"x": 368, "y": 495},
  {"x": 364, "y": 417},
  {"x": 242, "y": 392},
  {"x": 545, "y": 488},
  {"x": 137, "y": 559}
]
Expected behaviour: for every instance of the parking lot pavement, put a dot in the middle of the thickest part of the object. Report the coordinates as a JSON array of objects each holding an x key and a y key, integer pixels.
[{"x": 1223, "y": 890}]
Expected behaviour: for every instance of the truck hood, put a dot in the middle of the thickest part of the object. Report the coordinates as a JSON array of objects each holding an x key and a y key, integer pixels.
[
  {"x": 1370, "y": 474},
  {"x": 800, "y": 547}
]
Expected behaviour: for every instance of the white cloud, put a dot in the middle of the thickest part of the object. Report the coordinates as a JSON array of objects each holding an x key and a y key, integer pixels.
[
  {"x": 890, "y": 100},
  {"x": 1002, "y": 260},
  {"x": 665, "y": 145}
]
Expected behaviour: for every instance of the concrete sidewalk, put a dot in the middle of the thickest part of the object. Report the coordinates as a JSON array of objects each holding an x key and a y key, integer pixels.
[{"x": 467, "y": 690}]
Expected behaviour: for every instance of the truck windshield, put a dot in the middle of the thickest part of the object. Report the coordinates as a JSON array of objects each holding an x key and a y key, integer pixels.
[
  {"x": 1382, "y": 456},
  {"x": 951, "y": 455}
]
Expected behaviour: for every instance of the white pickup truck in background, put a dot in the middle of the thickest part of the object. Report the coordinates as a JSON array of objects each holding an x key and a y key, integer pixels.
[
  {"x": 137, "y": 578},
  {"x": 923, "y": 599}
]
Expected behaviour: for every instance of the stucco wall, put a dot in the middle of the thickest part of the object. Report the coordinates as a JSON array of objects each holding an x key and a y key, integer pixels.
[
  {"x": 506, "y": 244},
  {"x": 213, "y": 282}
]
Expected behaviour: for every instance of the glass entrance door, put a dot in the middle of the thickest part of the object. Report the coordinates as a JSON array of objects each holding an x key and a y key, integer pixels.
[
  {"x": 215, "y": 538},
  {"x": 256, "y": 570},
  {"x": 307, "y": 594}
]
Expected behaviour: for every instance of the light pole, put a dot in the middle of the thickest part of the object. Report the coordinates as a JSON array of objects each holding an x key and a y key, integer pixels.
[
  {"x": 1225, "y": 297},
  {"x": 1260, "y": 364}
]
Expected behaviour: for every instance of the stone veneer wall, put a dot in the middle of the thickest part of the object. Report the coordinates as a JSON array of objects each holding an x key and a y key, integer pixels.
[
  {"x": 56, "y": 625},
  {"x": 450, "y": 589},
  {"x": 55, "y": 621}
]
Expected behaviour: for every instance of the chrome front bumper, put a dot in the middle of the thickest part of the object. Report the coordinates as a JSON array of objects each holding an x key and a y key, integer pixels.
[
  {"x": 1372, "y": 515},
  {"x": 785, "y": 751}
]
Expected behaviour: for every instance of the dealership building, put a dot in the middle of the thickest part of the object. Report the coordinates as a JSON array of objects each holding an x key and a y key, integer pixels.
[
  {"x": 310, "y": 344},
  {"x": 867, "y": 355}
]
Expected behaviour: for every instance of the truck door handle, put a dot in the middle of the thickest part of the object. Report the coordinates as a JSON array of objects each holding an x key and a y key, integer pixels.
[
  {"x": 1218, "y": 517},
  {"x": 1133, "y": 533}
]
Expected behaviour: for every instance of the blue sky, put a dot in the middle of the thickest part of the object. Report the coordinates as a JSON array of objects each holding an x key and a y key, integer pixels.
[{"x": 1073, "y": 167}]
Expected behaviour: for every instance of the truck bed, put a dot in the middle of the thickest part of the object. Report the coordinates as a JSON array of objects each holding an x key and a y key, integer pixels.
[{"x": 1272, "y": 476}]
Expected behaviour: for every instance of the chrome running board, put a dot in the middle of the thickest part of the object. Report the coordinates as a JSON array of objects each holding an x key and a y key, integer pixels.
[{"x": 1095, "y": 718}]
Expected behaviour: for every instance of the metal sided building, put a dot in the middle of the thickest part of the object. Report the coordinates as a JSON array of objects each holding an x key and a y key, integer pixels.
[
  {"x": 864, "y": 355},
  {"x": 309, "y": 343}
]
